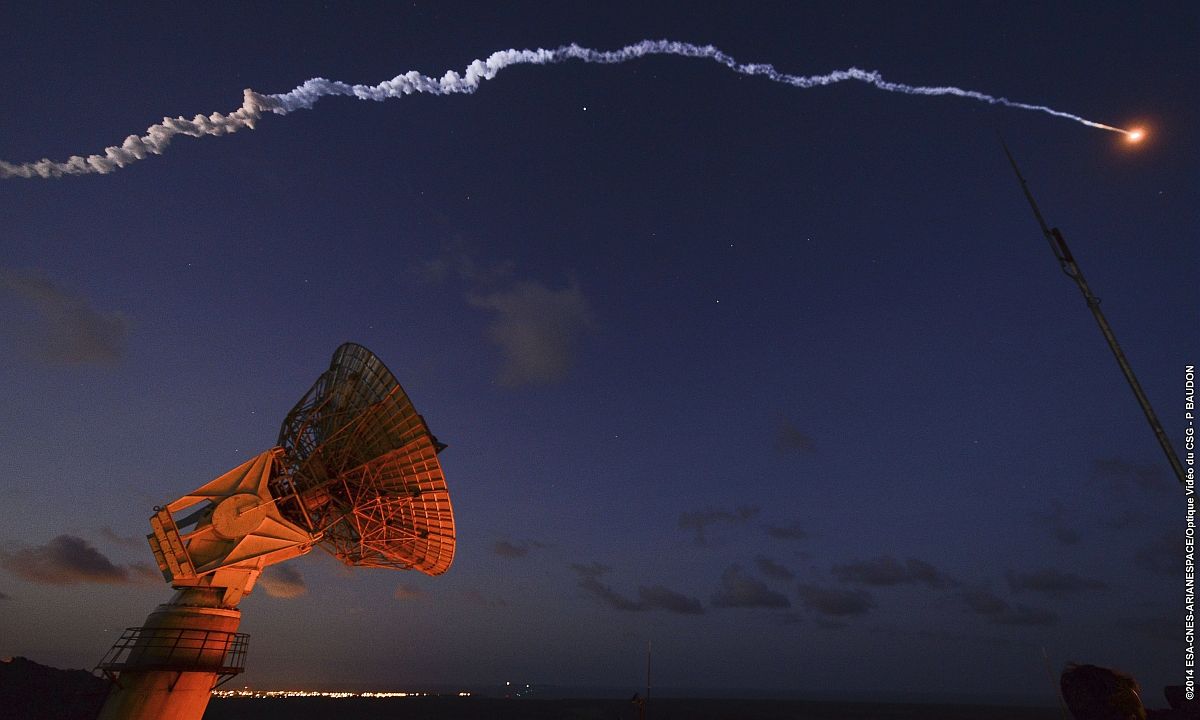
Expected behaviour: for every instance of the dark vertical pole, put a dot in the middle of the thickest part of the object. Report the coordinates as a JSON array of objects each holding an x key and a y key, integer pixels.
[
  {"x": 1062, "y": 703},
  {"x": 647, "y": 679},
  {"x": 1058, "y": 245}
]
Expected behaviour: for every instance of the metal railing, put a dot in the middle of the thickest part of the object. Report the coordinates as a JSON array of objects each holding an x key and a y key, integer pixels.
[{"x": 177, "y": 650}]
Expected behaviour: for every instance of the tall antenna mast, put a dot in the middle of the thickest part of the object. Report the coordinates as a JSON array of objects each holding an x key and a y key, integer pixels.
[
  {"x": 1058, "y": 245},
  {"x": 647, "y": 680}
]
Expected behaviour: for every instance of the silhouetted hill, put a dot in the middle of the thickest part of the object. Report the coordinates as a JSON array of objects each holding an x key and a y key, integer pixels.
[{"x": 29, "y": 691}]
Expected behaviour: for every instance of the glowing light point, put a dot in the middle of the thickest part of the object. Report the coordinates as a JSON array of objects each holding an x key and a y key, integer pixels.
[{"x": 1135, "y": 135}]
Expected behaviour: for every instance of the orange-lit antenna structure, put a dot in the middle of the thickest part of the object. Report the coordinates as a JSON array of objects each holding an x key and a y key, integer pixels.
[{"x": 355, "y": 472}]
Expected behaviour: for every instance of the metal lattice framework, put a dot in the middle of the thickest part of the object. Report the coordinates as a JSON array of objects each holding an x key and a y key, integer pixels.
[{"x": 360, "y": 469}]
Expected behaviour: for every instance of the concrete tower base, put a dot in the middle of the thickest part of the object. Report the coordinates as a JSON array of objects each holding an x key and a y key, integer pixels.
[{"x": 166, "y": 669}]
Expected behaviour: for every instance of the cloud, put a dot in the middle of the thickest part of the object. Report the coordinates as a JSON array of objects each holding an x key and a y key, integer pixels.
[
  {"x": 1159, "y": 627},
  {"x": 1163, "y": 556},
  {"x": 700, "y": 521},
  {"x": 835, "y": 601},
  {"x": 886, "y": 570},
  {"x": 504, "y": 548},
  {"x": 283, "y": 581},
  {"x": 479, "y": 599},
  {"x": 1128, "y": 517},
  {"x": 926, "y": 574},
  {"x": 146, "y": 572},
  {"x": 1055, "y": 520},
  {"x": 510, "y": 549},
  {"x": 65, "y": 560},
  {"x": 997, "y": 610},
  {"x": 984, "y": 602},
  {"x": 789, "y": 439},
  {"x": 657, "y": 596},
  {"x": 791, "y": 531},
  {"x": 536, "y": 328},
  {"x": 1129, "y": 476},
  {"x": 125, "y": 540},
  {"x": 1025, "y": 615},
  {"x": 881, "y": 571},
  {"x": 1065, "y": 535},
  {"x": 407, "y": 591},
  {"x": 589, "y": 579},
  {"x": 772, "y": 569},
  {"x": 591, "y": 570},
  {"x": 458, "y": 261},
  {"x": 740, "y": 590},
  {"x": 649, "y": 596},
  {"x": 831, "y": 624},
  {"x": 1055, "y": 583},
  {"x": 67, "y": 329}
]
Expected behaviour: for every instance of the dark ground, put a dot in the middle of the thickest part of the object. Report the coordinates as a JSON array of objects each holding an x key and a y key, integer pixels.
[
  {"x": 453, "y": 708},
  {"x": 31, "y": 691}
]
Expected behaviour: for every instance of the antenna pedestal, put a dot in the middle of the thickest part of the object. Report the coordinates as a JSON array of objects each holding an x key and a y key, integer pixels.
[{"x": 167, "y": 669}]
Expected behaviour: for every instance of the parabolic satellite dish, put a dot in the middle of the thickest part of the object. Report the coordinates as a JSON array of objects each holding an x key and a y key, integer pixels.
[
  {"x": 355, "y": 472},
  {"x": 360, "y": 468}
]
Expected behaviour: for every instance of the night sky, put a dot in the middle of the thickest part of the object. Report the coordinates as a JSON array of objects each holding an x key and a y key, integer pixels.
[{"x": 785, "y": 381}]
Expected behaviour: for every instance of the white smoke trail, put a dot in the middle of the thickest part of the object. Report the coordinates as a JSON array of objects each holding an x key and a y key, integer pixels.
[{"x": 159, "y": 136}]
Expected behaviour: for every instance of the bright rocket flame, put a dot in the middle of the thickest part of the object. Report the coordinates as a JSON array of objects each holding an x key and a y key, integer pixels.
[{"x": 1135, "y": 135}]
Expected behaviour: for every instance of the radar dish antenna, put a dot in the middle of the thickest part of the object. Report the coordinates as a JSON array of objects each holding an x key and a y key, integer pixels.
[
  {"x": 355, "y": 472},
  {"x": 361, "y": 470}
]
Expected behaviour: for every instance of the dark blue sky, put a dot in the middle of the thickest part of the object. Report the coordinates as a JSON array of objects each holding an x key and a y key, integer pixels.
[{"x": 783, "y": 380}]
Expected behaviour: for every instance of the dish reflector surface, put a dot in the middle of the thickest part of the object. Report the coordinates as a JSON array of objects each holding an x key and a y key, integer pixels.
[{"x": 360, "y": 468}]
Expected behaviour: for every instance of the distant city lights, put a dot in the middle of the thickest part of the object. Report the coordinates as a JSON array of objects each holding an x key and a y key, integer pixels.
[{"x": 262, "y": 694}]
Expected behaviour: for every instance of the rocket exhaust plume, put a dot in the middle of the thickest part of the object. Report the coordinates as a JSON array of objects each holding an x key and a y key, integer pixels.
[{"x": 159, "y": 135}]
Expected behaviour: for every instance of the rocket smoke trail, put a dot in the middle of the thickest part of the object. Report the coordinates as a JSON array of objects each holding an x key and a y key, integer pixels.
[{"x": 254, "y": 104}]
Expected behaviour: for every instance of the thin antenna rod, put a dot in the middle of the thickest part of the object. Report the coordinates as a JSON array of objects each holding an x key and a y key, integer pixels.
[
  {"x": 1062, "y": 703},
  {"x": 1066, "y": 261},
  {"x": 647, "y": 679}
]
